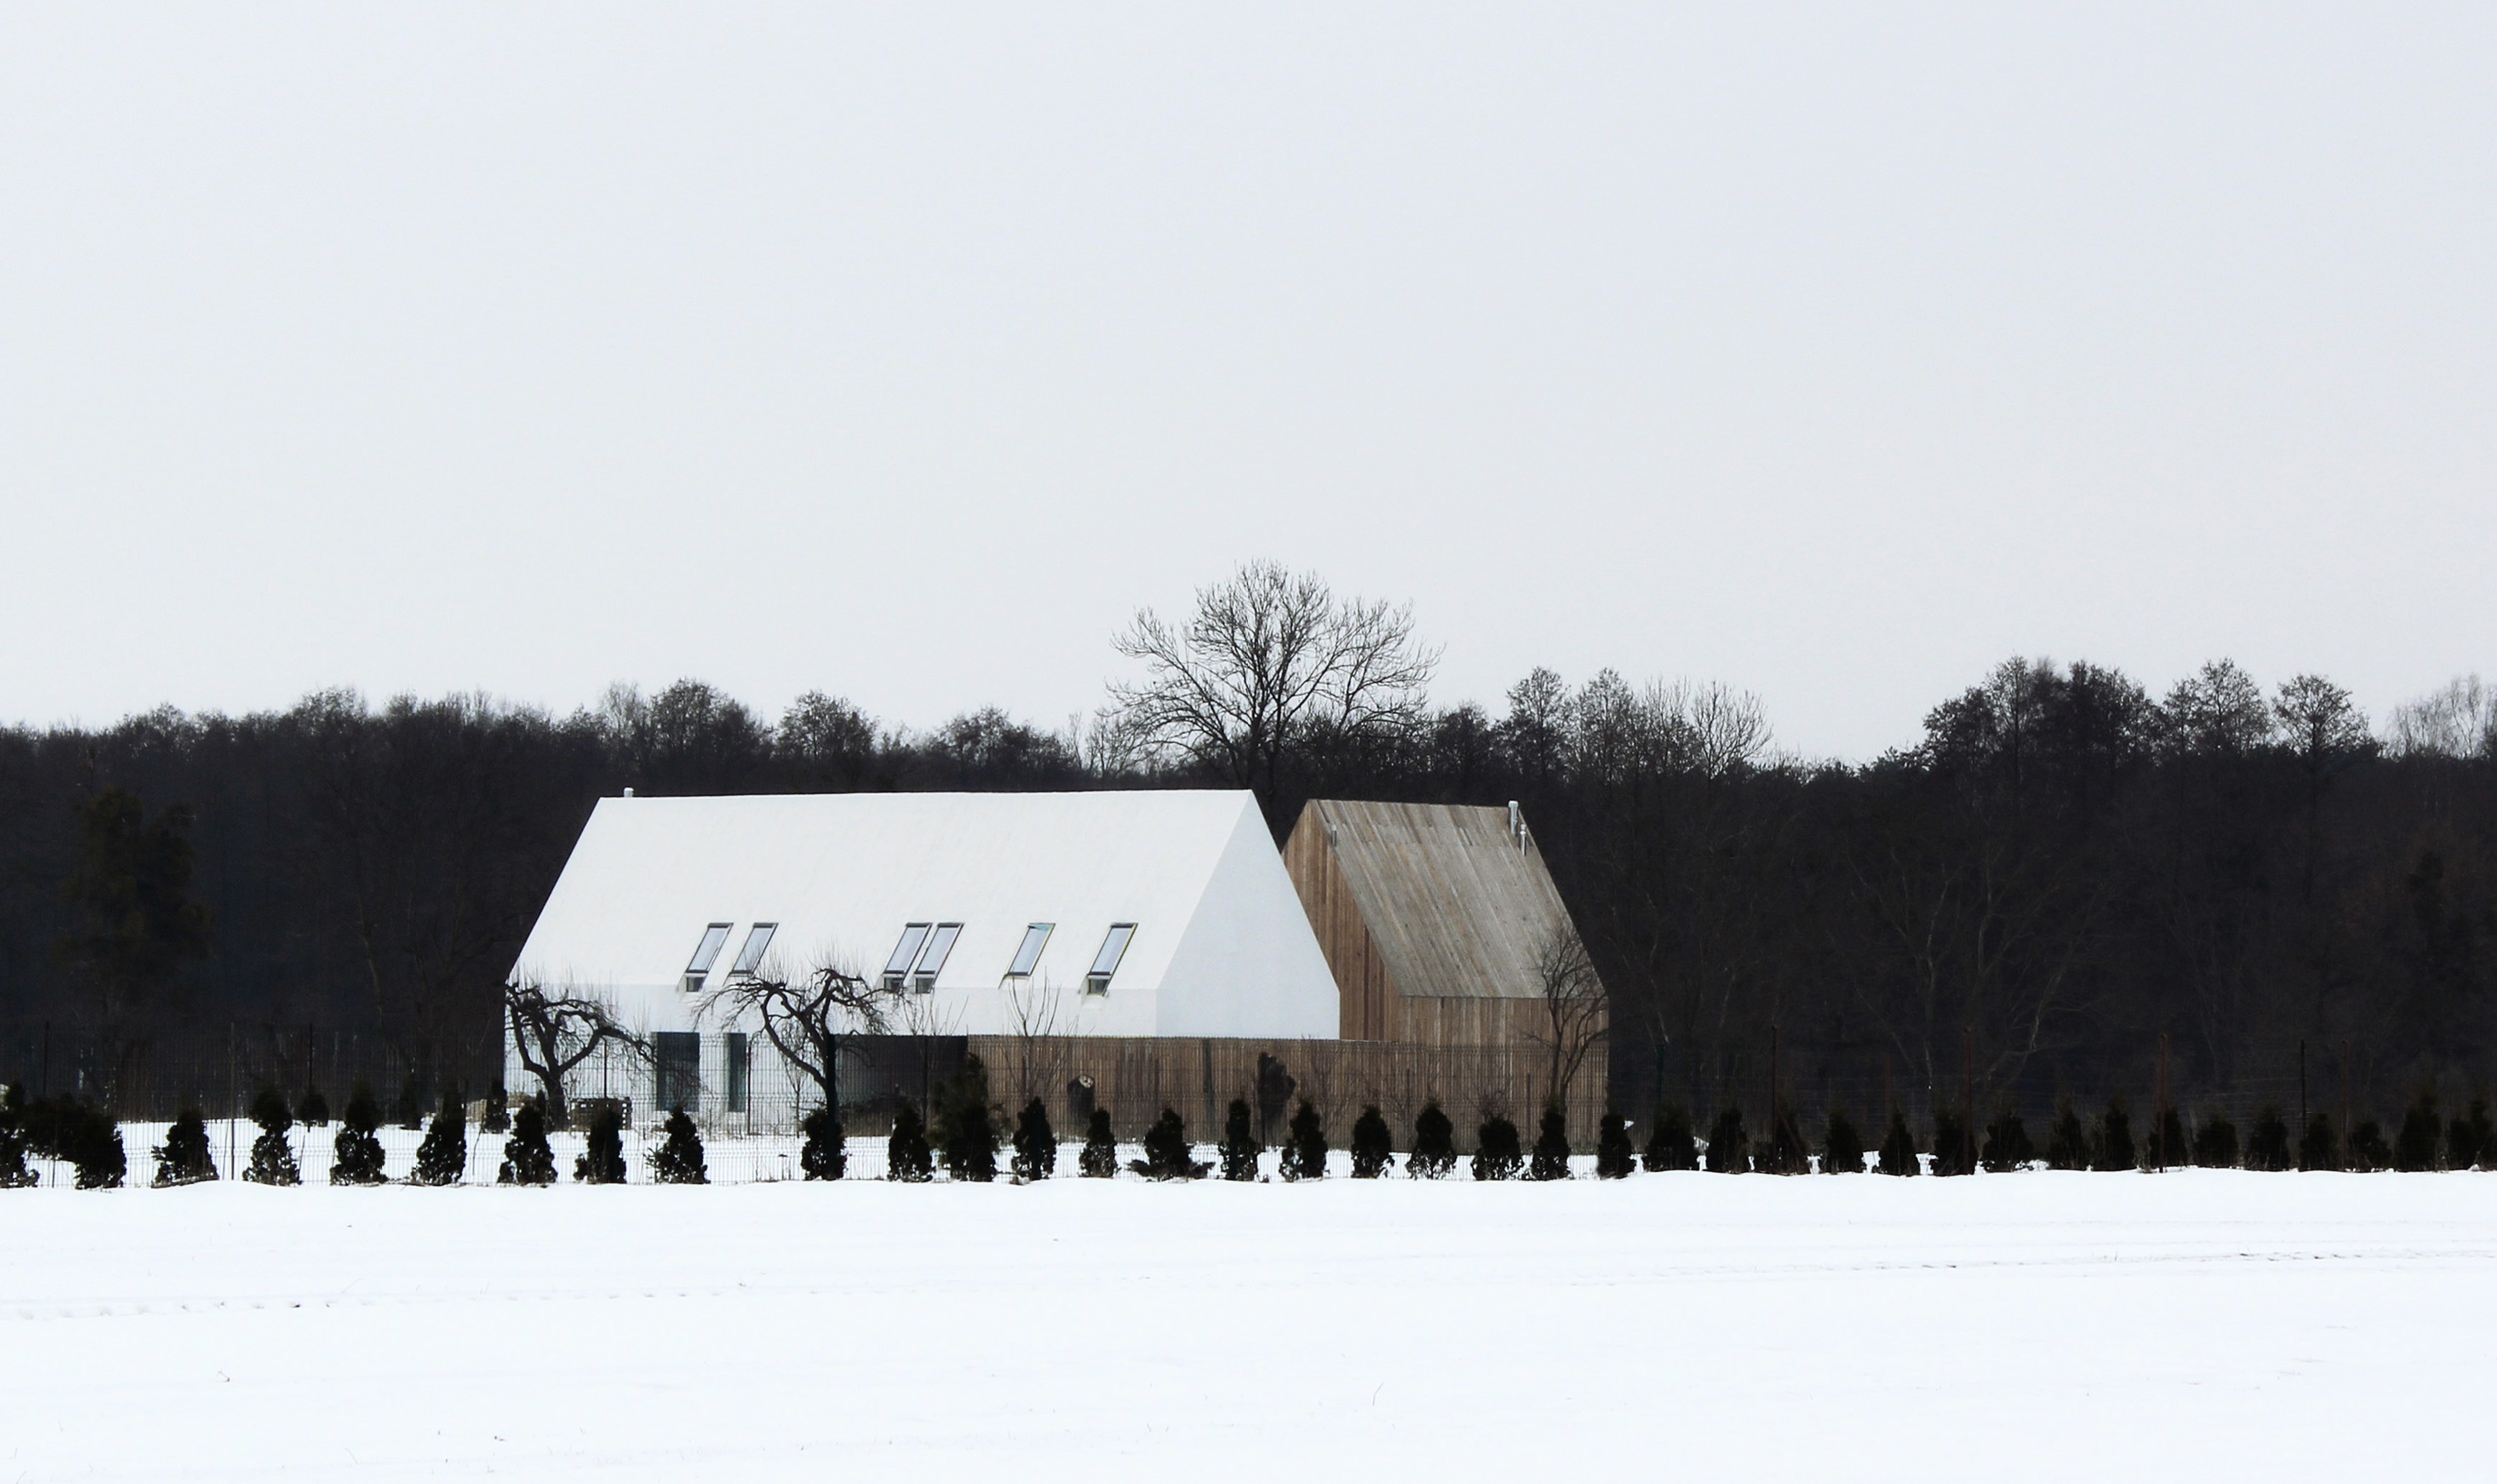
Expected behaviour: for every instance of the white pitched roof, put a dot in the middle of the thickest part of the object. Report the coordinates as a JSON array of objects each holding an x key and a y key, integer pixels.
[{"x": 842, "y": 874}]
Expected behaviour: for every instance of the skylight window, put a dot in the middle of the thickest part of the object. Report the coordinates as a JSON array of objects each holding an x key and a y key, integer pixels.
[
  {"x": 750, "y": 957},
  {"x": 932, "y": 958},
  {"x": 904, "y": 954},
  {"x": 1106, "y": 963},
  {"x": 1028, "y": 953},
  {"x": 705, "y": 954}
]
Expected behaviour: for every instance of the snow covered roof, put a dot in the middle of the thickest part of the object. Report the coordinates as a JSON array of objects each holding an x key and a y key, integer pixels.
[{"x": 656, "y": 885}]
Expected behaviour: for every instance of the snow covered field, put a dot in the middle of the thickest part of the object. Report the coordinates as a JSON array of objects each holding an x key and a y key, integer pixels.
[{"x": 2198, "y": 1325}]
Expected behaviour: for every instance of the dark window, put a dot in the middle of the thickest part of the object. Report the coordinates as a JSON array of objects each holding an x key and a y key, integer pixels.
[
  {"x": 739, "y": 1066},
  {"x": 678, "y": 1056}
]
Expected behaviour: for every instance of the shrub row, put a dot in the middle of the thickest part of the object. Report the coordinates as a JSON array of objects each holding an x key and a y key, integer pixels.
[{"x": 962, "y": 1134}]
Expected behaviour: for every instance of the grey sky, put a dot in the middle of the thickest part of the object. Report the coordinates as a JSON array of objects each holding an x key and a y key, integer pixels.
[{"x": 903, "y": 351}]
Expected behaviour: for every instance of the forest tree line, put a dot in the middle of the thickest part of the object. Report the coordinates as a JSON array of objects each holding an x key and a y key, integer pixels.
[{"x": 2066, "y": 884}]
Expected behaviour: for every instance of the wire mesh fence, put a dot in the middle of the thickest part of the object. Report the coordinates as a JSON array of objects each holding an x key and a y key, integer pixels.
[{"x": 750, "y": 1101}]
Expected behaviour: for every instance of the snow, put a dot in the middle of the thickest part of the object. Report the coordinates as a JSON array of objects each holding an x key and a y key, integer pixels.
[{"x": 2035, "y": 1326}]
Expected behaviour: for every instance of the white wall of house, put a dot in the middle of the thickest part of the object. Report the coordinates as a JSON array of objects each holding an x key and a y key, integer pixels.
[{"x": 1221, "y": 945}]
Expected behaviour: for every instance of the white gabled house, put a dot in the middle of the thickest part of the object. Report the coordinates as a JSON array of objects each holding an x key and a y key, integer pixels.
[{"x": 1145, "y": 913}]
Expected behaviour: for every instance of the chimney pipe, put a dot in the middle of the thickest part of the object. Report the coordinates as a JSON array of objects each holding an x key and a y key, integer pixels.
[{"x": 1516, "y": 825}]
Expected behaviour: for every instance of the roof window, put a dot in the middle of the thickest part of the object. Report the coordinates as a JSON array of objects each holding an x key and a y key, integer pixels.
[
  {"x": 1106, "y": 963},
  {"x": 750, "y": 957},
  {"x": 705, "y": 954},
  {"x": 905, "y": 953},
  {"x": 932, "y": 958},
  {"x": 1028, "y": 953}
]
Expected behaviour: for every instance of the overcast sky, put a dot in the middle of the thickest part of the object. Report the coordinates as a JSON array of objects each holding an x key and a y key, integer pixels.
[{"x": 903, "y": 351}]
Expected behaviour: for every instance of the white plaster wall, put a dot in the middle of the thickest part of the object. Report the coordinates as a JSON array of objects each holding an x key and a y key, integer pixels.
[{"x": 1248, "y": 963}]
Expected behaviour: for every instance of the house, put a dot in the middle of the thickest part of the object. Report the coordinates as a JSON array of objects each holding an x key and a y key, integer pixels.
[
  {"x": 1442, "y": 925},
  {"x": 1163, "y": 913}
]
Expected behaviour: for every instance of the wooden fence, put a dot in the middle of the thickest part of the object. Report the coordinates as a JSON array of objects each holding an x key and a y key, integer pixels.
[{"x": 1135, "y": 1078}]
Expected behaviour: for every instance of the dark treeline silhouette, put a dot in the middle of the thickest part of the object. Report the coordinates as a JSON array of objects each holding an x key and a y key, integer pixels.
[{"x": 2061, "y": 872}]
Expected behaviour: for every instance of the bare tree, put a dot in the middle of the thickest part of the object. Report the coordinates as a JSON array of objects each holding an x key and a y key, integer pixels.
[
  {"x": 1573, "y": 1006},
  {"x": 2325, "y": 733},
  {"x": 1032, "y": 1028},
  {"x": 556, "y": 1031},
  {"x": 2459, "y": 721},
  {"x": 805, "y": 1019},
  {"x": 1270, "y": 658}
]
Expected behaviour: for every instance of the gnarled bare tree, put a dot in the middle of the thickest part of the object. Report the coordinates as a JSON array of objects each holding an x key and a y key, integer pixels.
[
  {"x": 558, "y": 1030},
  {"x": 1270, "y": 658},
  {"x": 806, "y": 1018}
]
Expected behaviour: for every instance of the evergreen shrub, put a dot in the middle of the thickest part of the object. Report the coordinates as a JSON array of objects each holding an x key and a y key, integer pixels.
[
  {"x": 527, "y": 1158},
  {"x": 1434, "y": 1144},
  {"x": 2168, "y": 1147},
  {"x": 1952, "y": 1149},
  {"x": 1497, "y": 1153},
  {"x": 1841, "y": 1148},
  {"x": 1374, "y": 1148},
  {"x": 355, "y": 1155},
  {"x": 14, "y": 1140},
  {"x": 1035, "y": 1145},
  {"x": 93, "y": 1145},
  {"x": 311, "y": 1110},
  {"x": 1238, "y": 1148},
  {"x": 183, "y": 1159},
  {"x": 1304, "y": 1152},
  {"x": 444, "y": 1156},
  {"x": 1099, "y": 1157},
  {"x": 1787, "y": 1154},
  {"x": 2419, "y": 1146},
  {"x": 2067, "y": 1145},
  {"x": 2470, "y": 1142},
  {"x": 825, "y": 1155},
  {"x": 603, "y": 1163},
  {"x": 2007, "y": 1144},
  {"x": 679, "y": 1161},
  {"x": 2368, "y": 1153},
  {"x": 1167, "y": 1151},
  {"x": 2267, "y": 1144},
  {"x": 272, "y": 1160},
  {"x": 1615, "y": 1158},
  {"x": 2113, "y": 1149},
  {"x": 1729, "y": 1149},
  {"x": 498, "y": 1110},
  {"x": 1551, "y": 1146},
  {"x": 906, "y": 1158},
  {"x": 966, "y": 1125},
  {"x": 2215, "y": 1142},
  {"x": 2321, "y": 1146},
  {"x": 1899, "y": 1149},
  {"x": 1669, "y": 1141}
]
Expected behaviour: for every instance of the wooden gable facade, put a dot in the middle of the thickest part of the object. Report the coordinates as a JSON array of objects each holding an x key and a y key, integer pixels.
[{"x": 1433, "y": 918}]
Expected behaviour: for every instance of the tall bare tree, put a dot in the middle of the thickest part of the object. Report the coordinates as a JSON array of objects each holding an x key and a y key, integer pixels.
[
  {"x": 2325, "y": 733},
  {"x": 558, "y": 1030},
  {"x": 808, "y": 1018},
  {"x": 1269, "y": 659},
  {"x": 1572, "y": 997}
]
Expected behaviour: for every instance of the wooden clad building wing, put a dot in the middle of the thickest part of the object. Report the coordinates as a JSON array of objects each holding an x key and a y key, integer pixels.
[{"x": 1433, "y": 916}]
